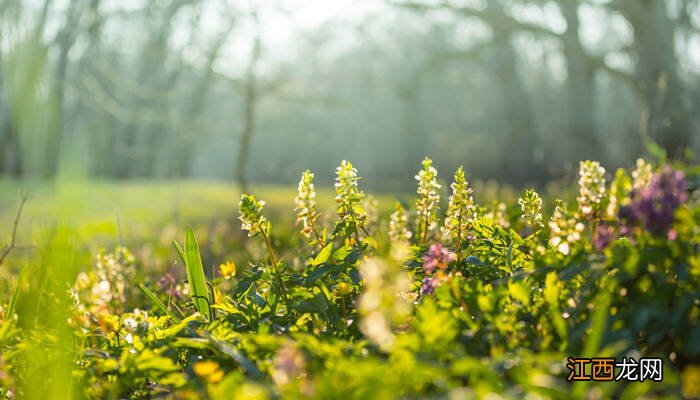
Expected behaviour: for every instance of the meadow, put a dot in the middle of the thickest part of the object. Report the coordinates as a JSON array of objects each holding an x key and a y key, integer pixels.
[{"x": 195, "y": 290}]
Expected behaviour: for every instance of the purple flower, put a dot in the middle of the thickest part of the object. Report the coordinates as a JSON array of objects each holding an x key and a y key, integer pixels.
[
  {"x": 653, "y": 207},
  {"x": 602, "y": 237},
  {"x": 428, "y": 287},
  {"x": 438, "y": 257},
  {"x": 167, "y": 283}
]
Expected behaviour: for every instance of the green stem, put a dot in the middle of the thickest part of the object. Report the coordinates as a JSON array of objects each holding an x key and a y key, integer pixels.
[
  {"x": 459, "y": 242},
  {"x": 320, "y": 242},
  {"x": 273, "y": 260}
]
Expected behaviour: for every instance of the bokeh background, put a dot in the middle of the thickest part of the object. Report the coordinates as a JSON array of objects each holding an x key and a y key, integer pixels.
[{"x": 253, "y": 92}]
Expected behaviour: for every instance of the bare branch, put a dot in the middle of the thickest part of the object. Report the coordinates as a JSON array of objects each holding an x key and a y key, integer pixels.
[
  {"x": 507, "y": 23},
  {"x": 9, "y": 247}
]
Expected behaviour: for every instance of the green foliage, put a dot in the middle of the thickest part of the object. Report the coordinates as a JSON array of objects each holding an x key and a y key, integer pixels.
[{"x": 393, "y": 314}]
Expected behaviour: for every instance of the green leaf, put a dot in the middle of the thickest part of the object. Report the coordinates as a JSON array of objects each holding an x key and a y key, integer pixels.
[
  {"x": 370, "y": 241},
  {"x": 156, "y": 302},
  {"x": 509, "y": 257},
  {"x": 180, "y": 252},
  {"x": 323, "y": 255},
  {"x": 318, "y": 273},
  {"x": 340, "y": 253},
  {"x": 551, "y": 296},
  {"x": 520, "y": 292},
  {"x": 195, "y": 275}
]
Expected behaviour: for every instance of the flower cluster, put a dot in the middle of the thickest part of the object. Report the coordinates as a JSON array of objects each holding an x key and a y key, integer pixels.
[
  {"x": 305, "y": 202},
  {"x": 428, "y": 285},
  {"x": 603, "y": 235},
  {"x": 435, "y": 263},
  {"x": 371, "y": 206},
  {"x": 105, "y": 286},
  {"x": 641, "y": 176},
  {"x": 460, "y": 210},
  {"x": 208, "y": 370},
  {"x": 398, "y": 225},
  {"x": 428, "y": 202},
  {"x": 135, "y": 323},
  {"x": 251, "y": 216},
  {"x": 349, "y": 199},
  {"x": 438, "y": 257},
  {"x": 653, "y": 206},
  {"x": 619, "y": 192},
  {"x": 497, "y": 214},
  {"x": 227, "y": 269},
  {"x": 531, "y": 206},
  {"x": 168, "y": 284},
  {"x": 591, "y": 186},
  {"x": 565, "y": 230},
  {"x": 382, "y": 305}
]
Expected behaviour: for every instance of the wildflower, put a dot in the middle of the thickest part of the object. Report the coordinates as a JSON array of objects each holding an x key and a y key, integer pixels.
[
  {"x": 564, "y": 229},
  {"x": 106, "y": 284},
  {"x": 305, "y": 202},
  {"x": 289, "y": 365},
  {"x": 460, "y": 209},
  {"x": 602, "y": 237},
  {"x": 350, "y": 201},
  {"x": 653, "y": 207},
  {"x": 382, "y": 305},
  {"x": 437, "y": 258},
  {"x": 531, "y": 206},
  {"x": 641, "y": 176},
  {"x": 228, "y": 269},
  {"x": 253, "y": 221},
  {"x": 208, "y": 370},
  {"x": 251, "y": 216},
  {"x": 591, "y": 185},
  {"x": 619, "y": 191},
  {"x": 101, "y": 293},
  {"x": 498, "y": 215},
  {"x": 428, "y": 286},
  {"x": 428, "y": 203},
  {"x": 398, "y": 225},
  {"x": 343, "y": 289},
  {"x": 167, "y": 283},
  {"x": 82, "y": 281},
  {"x": 371, "y": 205}
]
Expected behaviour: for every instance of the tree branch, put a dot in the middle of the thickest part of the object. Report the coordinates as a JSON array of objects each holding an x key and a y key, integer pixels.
[
  {"x": 9, "y": 247},
  {"x": 504, "y": 22}
]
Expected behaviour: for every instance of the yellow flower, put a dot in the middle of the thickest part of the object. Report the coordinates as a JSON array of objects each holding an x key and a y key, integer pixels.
[
  {"x": 208, "y": 370},
  {"x": 228, "y": 269},
  {"x": 343, "y": 289},
  {"x": 691, "y": 382}
]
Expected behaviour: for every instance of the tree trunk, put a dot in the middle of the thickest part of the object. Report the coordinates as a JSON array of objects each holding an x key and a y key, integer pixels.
[
  {"x": 185, "y": 140},
  {"x": 521, "y": 134},
  {"x": 65, "y": 39},
  {"x": 250, "y": 102},
  {"x": 666, "y": 117},
  {"x": 580, "y": 89},
  {"x": 413, "y": 143}
]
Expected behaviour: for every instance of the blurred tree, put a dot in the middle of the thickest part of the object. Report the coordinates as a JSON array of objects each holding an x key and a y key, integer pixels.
[{"x": 250, "y": 100}]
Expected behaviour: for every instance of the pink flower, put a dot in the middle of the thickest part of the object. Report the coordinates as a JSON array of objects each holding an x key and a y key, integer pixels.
[{"x": 438, "y": 257}]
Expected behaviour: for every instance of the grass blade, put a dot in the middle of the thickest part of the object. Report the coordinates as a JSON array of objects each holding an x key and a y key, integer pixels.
[
  {"x": 195, "y": 275},
  {"x": 180, "y": 252},
  {"x": 156, "y": 302}
]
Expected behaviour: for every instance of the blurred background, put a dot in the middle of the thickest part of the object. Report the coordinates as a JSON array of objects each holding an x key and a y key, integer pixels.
[{"x": 257, "y": 91}]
